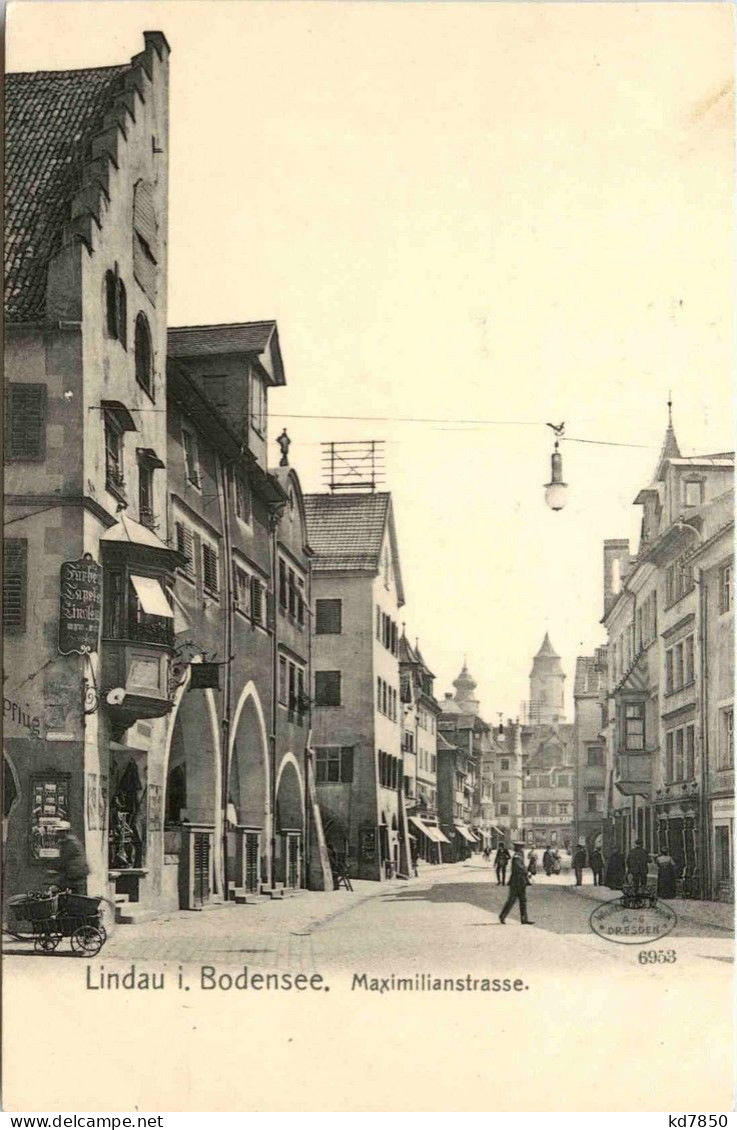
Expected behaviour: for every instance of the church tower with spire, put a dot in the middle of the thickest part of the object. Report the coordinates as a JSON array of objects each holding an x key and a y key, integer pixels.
[{"x": 546, "y": 686}]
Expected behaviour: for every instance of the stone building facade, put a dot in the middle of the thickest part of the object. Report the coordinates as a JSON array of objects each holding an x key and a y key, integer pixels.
[
  {"x": 667, "y": 625},
  {"x": 357, "y": 708}
]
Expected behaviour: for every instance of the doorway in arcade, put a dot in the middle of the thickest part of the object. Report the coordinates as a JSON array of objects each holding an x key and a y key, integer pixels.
[
  {"x": 247, "y": 807},
  {"x": 289, "y": 838},
  {"x": 192, "y": 801}
]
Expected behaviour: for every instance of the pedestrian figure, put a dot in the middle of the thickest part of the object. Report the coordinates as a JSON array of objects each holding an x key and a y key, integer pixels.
[
  {"x": 548, "y": 861},
  {"x": 637, "y": 866},
  {"x": 596, "y": 862},
  {"x": 501, "y": 861},
  {"x": 615, "y": 870},
  {"x": 579, "y": 862},
  {"x": 532, "y": 864},
  {"x": 666, "y": 875},
  {"x": 72, "y": 871},
  {"x": 518, "y": 882}
]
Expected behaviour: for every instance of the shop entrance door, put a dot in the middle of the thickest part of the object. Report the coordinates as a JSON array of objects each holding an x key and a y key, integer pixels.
[
  {"x": 201, "y": 876},
  {"x": 251, "y": 852},
  {"x": 722, "y": 861},
  {"x": 292, "y": 852}
]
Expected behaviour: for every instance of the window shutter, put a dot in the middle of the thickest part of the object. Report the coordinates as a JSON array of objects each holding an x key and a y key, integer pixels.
[
  {"x": 185, "y": 546},
  {"x": 257, "y": 612},
  {"x": 25, "y": 424},
  {"x": 15, "y": 571},
  {"x": 145, "y": 238},
  {"x": 346, "y": 764},
  {"x": 210, "y": 568}
]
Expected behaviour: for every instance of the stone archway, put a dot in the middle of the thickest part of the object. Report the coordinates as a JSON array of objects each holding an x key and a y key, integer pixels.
[
  {"x": 289, "y": 823},
  {"x": 192, "y": 772},
  {"x": 248, "y": 802}
]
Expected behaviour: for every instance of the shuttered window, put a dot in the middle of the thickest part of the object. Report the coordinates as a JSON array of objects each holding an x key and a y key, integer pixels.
[
  {"x": 145, "y": 238},
  {"x": 328, "y": 617},
  {"x": 242, "y": 498},
  {"x": 257, "y": 601},
  {"x": 144, "y": 355},
  {"x": 185, "y": 546},
  {"x": 25, "y": 422},
  {"x": 327, "y": 688},
  {"x": 15, "y": 573},
  {"x": 210, "y": 572},
  {"x": 242, "y": 588}
]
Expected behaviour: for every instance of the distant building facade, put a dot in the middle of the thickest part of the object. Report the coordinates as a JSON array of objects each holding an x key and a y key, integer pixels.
[
  {"x": 420, "y": 751},
  {"x": 590, "y": 776}
]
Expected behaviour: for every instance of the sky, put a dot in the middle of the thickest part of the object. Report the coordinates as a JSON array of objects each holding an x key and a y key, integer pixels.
[{"x": 511, "y": 212}]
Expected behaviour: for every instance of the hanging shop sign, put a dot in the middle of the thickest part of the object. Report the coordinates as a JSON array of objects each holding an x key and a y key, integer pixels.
[
  {"x": 80, "y": 606},
  {"x": 205, "y": 676}
]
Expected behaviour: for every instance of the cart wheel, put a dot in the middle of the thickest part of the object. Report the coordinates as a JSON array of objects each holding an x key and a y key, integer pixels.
[
  {"x": 46, "y": 943},
  {"x": 86, "y": 940}
]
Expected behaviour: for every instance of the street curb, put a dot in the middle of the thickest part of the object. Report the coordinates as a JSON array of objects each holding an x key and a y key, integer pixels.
[{"x": 682, "y": 916}]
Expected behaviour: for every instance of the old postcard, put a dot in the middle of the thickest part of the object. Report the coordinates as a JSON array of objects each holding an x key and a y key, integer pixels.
[{"x": 368, "y": 600}]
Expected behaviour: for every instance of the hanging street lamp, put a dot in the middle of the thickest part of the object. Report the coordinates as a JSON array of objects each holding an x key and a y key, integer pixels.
[{"x": 556, "y": 491}]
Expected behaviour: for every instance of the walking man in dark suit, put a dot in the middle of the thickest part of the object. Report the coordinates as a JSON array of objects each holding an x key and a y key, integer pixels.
[
  {"x": 501, "y": 860},
  {"x": 518, "y": 881}
]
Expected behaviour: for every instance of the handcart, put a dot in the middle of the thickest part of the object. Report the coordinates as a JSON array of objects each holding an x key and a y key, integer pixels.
[
  {"x": 637, "y": 899},
  {"x": 45, "y": 917}
]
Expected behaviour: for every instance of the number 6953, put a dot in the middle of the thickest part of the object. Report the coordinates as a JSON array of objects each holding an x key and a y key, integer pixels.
[{"x": 656, "y": 957}]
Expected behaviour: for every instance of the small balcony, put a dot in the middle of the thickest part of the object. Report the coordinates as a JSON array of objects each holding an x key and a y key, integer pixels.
[
  {"x": 634, "y": 773},
  {"x": 138, "y": 623}
]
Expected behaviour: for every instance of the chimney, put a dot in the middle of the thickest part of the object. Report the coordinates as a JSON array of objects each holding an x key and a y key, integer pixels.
[{"x": 616, "y": 562}]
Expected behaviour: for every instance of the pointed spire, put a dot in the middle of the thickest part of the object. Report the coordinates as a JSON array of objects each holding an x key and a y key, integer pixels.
[
  {"x": 547, "y": 648},
  {"x": 670, "y": 448}
]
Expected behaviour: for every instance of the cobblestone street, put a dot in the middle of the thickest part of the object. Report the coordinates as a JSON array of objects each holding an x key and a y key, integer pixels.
[{"x": 445, "y": 920}]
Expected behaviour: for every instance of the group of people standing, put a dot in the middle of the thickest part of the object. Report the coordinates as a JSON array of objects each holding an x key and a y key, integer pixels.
[{"x": 612, "y": 873}]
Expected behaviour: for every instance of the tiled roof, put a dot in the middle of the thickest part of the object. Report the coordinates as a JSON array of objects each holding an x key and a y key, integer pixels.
[
  {"x": 238, "y": 337},
  {"x": 346, "y": 531},
  {"x": 50, "y": 117}
]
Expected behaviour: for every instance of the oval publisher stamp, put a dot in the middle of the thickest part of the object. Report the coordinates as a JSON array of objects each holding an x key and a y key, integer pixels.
[{"x": 615, "y": 922}]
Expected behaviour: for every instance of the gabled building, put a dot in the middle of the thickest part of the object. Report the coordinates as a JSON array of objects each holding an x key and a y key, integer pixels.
[
  {"x": 357, "y": 708},
  {"x": 85, "y": 429},
  {"x": 237, "y": 766}
]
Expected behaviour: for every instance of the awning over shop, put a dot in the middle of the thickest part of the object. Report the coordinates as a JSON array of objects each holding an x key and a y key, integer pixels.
[
  {"x": 153, "y": 599},
  {"x": 466, "y": 833},
  {"x": 433, "y": 834}
]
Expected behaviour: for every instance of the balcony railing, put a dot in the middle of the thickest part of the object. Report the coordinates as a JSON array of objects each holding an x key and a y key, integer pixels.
[{"x": 151, "y": 629}]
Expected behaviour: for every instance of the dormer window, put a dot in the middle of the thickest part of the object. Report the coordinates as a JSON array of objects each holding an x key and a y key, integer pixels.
[
  {"x": 693, "y": 492},
  {"x": 258, "y": 404}
]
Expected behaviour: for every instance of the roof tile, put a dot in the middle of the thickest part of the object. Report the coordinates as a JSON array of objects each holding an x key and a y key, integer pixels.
[
  {"x": 50, "y": 117},
  {"x": 346, "y": 531}
]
